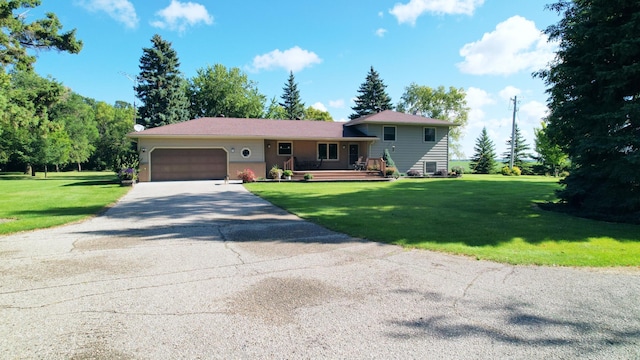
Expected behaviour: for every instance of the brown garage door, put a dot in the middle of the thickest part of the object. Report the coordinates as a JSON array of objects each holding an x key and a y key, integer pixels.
[{"x": 188, "y": 164}]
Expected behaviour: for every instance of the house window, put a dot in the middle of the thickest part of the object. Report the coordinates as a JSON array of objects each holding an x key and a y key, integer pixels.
[
  {"x": 246, "y": 152},
  {"x": 430, "y": 167},
  {"x": 328, "y": 151},
  {"x": 389, "y": 133},
  {"x": 429, "y": 134},
  {"x": 285, "y": 148}
]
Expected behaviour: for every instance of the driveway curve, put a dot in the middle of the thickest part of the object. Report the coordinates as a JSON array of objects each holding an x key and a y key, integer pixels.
[{"x": 187, "y": 270}]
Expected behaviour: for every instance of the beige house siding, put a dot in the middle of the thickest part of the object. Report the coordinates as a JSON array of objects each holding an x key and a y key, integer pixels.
[
  {"x": 233, "y": 147},
  {"x": 409, "y": 151}
]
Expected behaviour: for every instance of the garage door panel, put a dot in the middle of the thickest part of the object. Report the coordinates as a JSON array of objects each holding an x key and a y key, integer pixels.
[{"x": 188, "y": 164}]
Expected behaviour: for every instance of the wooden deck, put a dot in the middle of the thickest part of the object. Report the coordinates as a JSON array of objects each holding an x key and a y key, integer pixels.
[{"x": 340, "y": 175}]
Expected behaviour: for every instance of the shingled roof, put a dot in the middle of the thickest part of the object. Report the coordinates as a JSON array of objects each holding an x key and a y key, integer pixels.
[
  {"x": 221, "y": 127},
  {"x": 393, "y": 117}
]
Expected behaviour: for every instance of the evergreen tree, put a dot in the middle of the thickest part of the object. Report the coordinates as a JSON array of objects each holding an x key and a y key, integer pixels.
[
  {"x": 372, "y": 96},
  {"x": 161, "y": 87},
  {"x": 293, "y": 107},
  {"x": 594, "y": 101},
  {"x": 484, "y": 159},
  {"x": 519, "y": 150},
  {"x": 16, "y": 35}
]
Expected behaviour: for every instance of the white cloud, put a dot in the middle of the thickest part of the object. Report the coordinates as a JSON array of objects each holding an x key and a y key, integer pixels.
[
  {"x": 294, "y": 59},
  {"x": 509, "y": 92},
  {"x": 119, "y": 10},
  {"x": 180, "y": 15},
  {"x": 380, "y": 14},
  {"x": 515, "y": 45},
  {"x": 409, "y": 12},
  {"x": 338, "y": 104},
  {"x": 380, "y": 32},
  {"x": 319, "y": 106},
  {"x": 476, "y": 99},
  {"x": 533, "y": 112}
]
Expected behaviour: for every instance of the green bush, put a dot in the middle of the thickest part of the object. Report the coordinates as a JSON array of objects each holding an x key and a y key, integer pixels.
[
  {"x": 308, "y": 176},
  {"x": 458, "y": 170},
  {"x": 506, "y": 171}
]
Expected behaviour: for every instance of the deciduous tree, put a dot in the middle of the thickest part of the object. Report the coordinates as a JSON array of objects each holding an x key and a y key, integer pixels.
[
  {"x": 372, "y": 96},
  {"x": 439, "y": 103},
  {"x": 549, "y": 153},
  {"x": 78, "y": 118},
  {"x": 594, "y": 101},
  {"x": 216, "y": 91},
  {"x": 484, "y": 158},
  {"x": 161, "y": 87},
  {"x": 275, "y": 111},
  {"x": 311, "y": 113}
]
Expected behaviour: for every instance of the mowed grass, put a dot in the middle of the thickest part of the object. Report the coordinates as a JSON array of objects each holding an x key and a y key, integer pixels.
[
  {"x": 28, "y": 203},
  {"x": 490, "y": 217}
]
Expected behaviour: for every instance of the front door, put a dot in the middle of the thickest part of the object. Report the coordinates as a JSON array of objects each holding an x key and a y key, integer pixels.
[{"x": 354, "y": 153}]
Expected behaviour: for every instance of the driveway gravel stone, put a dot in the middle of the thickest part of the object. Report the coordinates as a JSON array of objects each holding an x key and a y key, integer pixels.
[{"x": 204, "y": 270}]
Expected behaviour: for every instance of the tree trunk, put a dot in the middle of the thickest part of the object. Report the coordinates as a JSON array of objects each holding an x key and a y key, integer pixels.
[
  {"x": 79, "y": 168},
  {"x": 45, "y": 171}
]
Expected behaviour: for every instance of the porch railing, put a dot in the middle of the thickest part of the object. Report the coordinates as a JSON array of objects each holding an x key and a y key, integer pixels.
[{"x": 288, "y": 165}]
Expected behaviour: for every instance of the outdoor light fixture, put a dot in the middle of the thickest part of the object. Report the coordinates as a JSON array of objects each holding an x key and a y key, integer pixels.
[
  {"x": 233, "y": 150},
  {"x": 269, "y": 146},
  {"x": 143, "y": 149},
  {"x": 344, "y": 147},
  {"x": 393, "y": 148}
]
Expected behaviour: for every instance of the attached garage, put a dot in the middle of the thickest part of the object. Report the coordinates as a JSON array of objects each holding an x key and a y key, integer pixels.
[{"x": 188, "y": 164}]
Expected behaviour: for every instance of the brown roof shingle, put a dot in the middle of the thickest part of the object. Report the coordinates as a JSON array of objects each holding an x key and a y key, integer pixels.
[
  {"x": 249, "y": 128},
  {"x": 221, "y": 127},
  {"x": 393, "y": 117}
]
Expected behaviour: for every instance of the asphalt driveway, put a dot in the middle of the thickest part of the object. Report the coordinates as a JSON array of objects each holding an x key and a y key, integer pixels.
[{"x": 188, "y": 270}]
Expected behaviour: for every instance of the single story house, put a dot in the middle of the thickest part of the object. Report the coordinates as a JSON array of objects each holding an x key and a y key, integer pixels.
[{"x": 212, "y": 148}]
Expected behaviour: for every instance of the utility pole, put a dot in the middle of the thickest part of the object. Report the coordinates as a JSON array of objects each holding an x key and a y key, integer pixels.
[{"x": 513, "y": 130}]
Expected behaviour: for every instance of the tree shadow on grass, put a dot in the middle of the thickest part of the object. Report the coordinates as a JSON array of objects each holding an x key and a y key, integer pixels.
[{"x": 473, "y": 213}]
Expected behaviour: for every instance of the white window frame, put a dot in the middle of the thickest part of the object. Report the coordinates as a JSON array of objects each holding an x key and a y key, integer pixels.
[
  {"x": 248, "y": 153},
  {"x": 328, "y": 150},
  {"x": 424, "y": 135},
  {"x": 285, "y": 142},
  {"x": 435, "y": 167},
  {"x": 395, "y": 133}
]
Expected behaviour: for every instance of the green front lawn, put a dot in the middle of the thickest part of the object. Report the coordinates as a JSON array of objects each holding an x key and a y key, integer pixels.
[
  {"x": 28, "y": 203},
  {"x": 489, "y": 217}
]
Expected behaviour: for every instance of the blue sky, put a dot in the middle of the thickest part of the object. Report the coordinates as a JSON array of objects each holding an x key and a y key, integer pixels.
[{"x": 488, "y": 47}]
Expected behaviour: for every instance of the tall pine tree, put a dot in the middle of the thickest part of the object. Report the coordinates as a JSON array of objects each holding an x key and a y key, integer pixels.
[
  {"x": 161, "y": 87},
  {"x": 293, "y": 107},
  {"x": 594, "y": 98},
  {"x": 519, "y": 151},
  {"x": 372, "y": 96},
  {"x": 484, "y": 158}
]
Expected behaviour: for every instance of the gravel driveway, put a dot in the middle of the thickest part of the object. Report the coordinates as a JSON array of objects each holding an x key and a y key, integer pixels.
[{"x": 188, "y": 270}]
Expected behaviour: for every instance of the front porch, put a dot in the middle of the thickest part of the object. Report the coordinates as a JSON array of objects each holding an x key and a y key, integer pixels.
[
  {"x": 369, "y": 169},
  {"x": 340, "y": 175}
]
